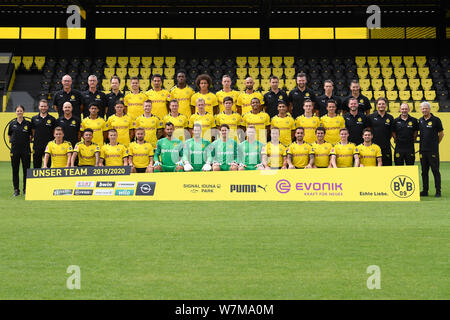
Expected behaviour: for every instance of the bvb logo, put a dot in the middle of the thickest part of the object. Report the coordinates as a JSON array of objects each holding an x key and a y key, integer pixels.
[{"x": 402, "y": 186}]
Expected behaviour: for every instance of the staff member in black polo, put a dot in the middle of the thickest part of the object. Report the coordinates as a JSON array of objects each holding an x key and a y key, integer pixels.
[
  {"x": 355, "y": 122},
  {"x": 431, "y": 134},
  {"x": 114, "y": 96},
  {"x": 381, "y": 123},
  {"x": 363, "y": 102},
  {"x": 299, "y": 95},
  {"x": 405, "y": 131},
  {"x": 67, "y": 94},
  {"x": 70, "y": 125},
  {"x": 322, "y": 101},
  {"x": 273, "y": 96},
  {"x": 19, "y": 133},
  {"x": 42, "y": 126},
  {"x": 92, "y": 95}
]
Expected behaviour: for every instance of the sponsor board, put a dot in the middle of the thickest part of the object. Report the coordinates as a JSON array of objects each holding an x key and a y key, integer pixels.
[
  {"x": 85, "y": 184},
  {"x": 145, "y": 189},
  {"x": 126, "y": 184},
  {"x": 83, "y": 192},
  {"x": 62, "y": 192},
  {"x": 105, "y": 184},
  {"x": 104, "y": 192},
  {"x": 124, "y": 192}
]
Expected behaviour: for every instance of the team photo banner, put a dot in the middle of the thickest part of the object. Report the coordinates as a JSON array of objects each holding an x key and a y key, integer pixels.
[{"x": 117, "y": 183}]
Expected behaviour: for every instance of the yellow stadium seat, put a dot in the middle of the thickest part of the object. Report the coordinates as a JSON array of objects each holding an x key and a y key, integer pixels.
[
  {"x": 168, "y": 84},
  {"x": 146, "y": 62},
  {"x": 256, "y": 85},
  {"x": 384, "y": 61},
  {"x": 368, "y": 94},
  {"x": 265, "y": 73},
  {"x": 281, "y": 83},
  {"x": 426, "y": 84},
  {"x": 145, "y": 72},
  {"x": 109, "y": 72},
  {"x": 372, "y": 103},
  {"x": 288, "y": 62},
  {"x": 290, "y": 84},
  {"x": 423, "y": 72},
  {"x": 169, "y": 73},
  {"x": 277, "y": 61},
  {"x": 111, "y": 62},
  {"x": 364, "y": 84},
  {"x": 144, "y": 84},
  {"x": 430, "y": 95},
  {"x": 158, "y": 61},
  {"x": 253, "y": 72},
  {"x": 265, "y": 84},
  {"x": 123, "y": 62},
  {"x": 377, "y": 84},
  {"x": 379, "y": 94},
  {"x": 157, "y": 70},
  {"x": 122, "y": 85},
  {"x": 27, "y": 62},
  {"x": 241, "y": 73},
  {"x": 240, "y": 84},
  {"x": 17, "y": 60},
  {"x": 402, "y": 84},
  {"x": 39, "y": 61},
  {"x": 289, "y": 73},
  {"x": 404, "y": 95},
  {"x": 253, "y": 61},
  {"x": 360, "y": 61},
  {"x": 241, "y": 61},
  {"x": 399, "y": 73},
  {"x": 389, "y": 84},
  {"x": 386, "y": 72},
  {"x": 411, "y": 72},
  {"x": 129, "y": 84},
  {"x": 133, "y": 72},
  {"x": 277, "y": 72},
  {"x": 170, "y": 61},
  {"x": 396, "y": 61},
  {"x": 414, "y": 84},
  {"x": 121, "y": 72},
  {"x": 362, "y": 73},
  {"x": 372, "y": 61},
  {"x": 392, "y": 95},
  {"x": 394, "y": 107},
  {"x": 135, "y": 62},
  {"x": 374, "y": 73},
  {"x": 106, "y": 84},
  {"x": 264, "y": 61},
  {"x": 408, "y": 61},
  {"x": 421, "y": 61},
  {"x": 434, "y": 106},
  {"x": 416, "y": 106}
]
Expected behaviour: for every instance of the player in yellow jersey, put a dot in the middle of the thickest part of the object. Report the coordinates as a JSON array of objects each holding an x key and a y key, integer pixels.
[
  {"x": 179, "y": 120},
  {"x": 321, "y": 149},
  {"x": 158, "y": 96},
  {"x": 232, "y": 119},
  {"x": 206, "y": 119},
  {"x": 226, "y": 92},
  {"x": 94, "y": 122},
  {"x": 300, "y": 155},
  {"x": 332, "y": 122},
  {"x": 87, "y": 152},
  {"x": 152, "y": 125},
  {"x": 274, "y": 153},
  {"x": 140, "y": 153},
  {"x": 260, "y": 120},
  {"x": 113, "y": 154},
  {"x": 244, "y": 102},
  {"x": 122, "y": 123},
  {"x": 182, "y": 93},
  {"x": 308, "y": 121},
  {"x": 285, "y": 123},
  {"x": 369, "y": 153},
  {"x": 203, "y": 82},
  {"x": 59, "y": 150},
  {"x": 344, "y": 154},
  {"x": 134, "y": 101}
]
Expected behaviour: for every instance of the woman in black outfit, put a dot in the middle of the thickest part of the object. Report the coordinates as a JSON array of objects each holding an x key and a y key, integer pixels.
[{"x": 19, "y": 133}]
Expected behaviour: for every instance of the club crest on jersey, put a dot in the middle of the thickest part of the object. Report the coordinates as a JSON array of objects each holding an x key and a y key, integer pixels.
[
  {"x": 48, "y": 121},
  {"x": 387, "y": 120},
  {"x": 430, "y": 123},
  {"x": 410, "y": 123},
  {"x": 25, "y": 128},
  {"x": 72, "y": 97},
  {"x": 361, "y": 101},
  {"x": 98, "y": 96},
  {"x": 307, "y": 94},
  {"x": 73, "y": 122},
  {"x": 359, "y": 119}
]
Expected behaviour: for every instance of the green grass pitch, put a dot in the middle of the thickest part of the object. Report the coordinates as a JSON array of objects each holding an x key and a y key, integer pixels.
[{"x": 238, "y": 250}]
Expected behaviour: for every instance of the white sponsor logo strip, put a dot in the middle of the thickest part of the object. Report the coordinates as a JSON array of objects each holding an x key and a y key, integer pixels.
[
  {"x": 104, "y": 192},
  {"x": 126, "y": 184},
  {"x": 85, "y": 184}
]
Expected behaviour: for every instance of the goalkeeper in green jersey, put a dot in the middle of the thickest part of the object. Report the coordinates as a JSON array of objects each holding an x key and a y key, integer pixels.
[
  {"x": 169, "y": 151},
  {"x": 224, "y": 151},
  {"x": 196, "y": 152},
  {"x": 250, "y": 152}
]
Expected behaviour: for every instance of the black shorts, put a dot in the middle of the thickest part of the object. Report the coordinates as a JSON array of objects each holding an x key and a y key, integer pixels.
[{"x": 141, "y": 170}]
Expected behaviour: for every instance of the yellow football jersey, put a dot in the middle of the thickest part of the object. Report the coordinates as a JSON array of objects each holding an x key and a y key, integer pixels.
[
  {"x": 260, "y": 120},
  {"x": 180, "y": 123},
  {"x": 244, "y": 100},
  {"x": 141, "y": 153},
  {"x": 184, "y": 99},
  {"x": 286, "y": 125},
  {"x": 86, "y": 153},
  {"x": 368, "y": 155},
  {"x": 135, "y": 104},
  {"x": 275, "y": 154},
  {"x": 151, "y": 125},
  {"x": 300, "y": 154},
  {"x": 159, "y": 102},
  {"x": 59, "y": 153},
  {"x": 122, "y": 125},
  {"x": 98, "y": 126},
  {"x": 344, "y": 154},
  {"x": 233, "y": 120},
  {"x": 113, "y": 155},
  {"x": 207, "y": 121},
  {"x": 222, "y": 94},
  {"x": 310, "y": 125},
  {"x": 332, "y": 127},
  {"x": 322, "y": 154},
  {"x": 210, "y": 101}
]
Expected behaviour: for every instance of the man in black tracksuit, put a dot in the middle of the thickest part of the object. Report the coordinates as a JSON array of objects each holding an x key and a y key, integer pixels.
[
  {"x": 381, "y": 123},
  {"x": 42, "y": 126},
  {"x": 405, "y": 131}
]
